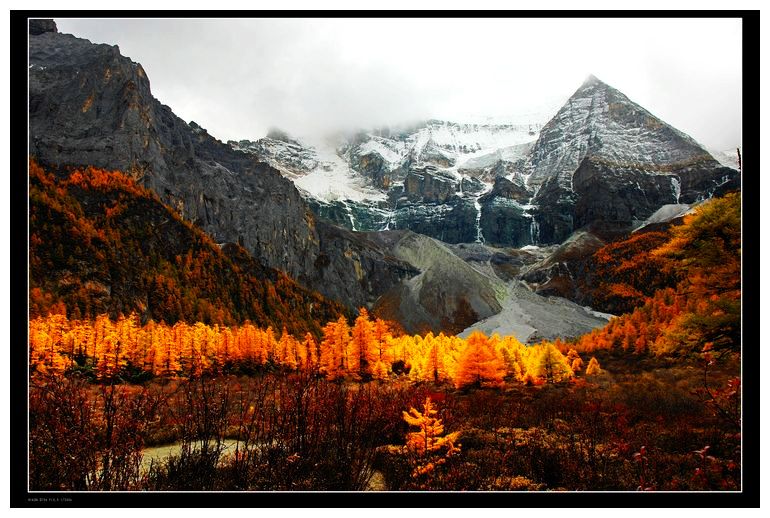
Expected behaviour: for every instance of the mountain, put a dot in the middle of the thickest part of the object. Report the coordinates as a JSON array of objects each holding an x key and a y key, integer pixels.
[
  {"x": 430, "y": 224},
  {"x": 91, "y": 106},
  {"x": 605, "y": 158},
  {"x": 728, "y": 157},
  {"x": 428, "y": 177},
  {"x": 465, "y": 287},
  {"x": 100, "y": 243},
  {"x": 602, "y": 159}
]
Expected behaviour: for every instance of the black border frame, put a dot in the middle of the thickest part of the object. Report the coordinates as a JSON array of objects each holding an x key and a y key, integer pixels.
[{"x": 20, "y": 497}]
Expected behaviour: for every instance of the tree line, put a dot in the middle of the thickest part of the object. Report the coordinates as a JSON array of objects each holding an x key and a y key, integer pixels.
[{"x": 366, "y": 350}]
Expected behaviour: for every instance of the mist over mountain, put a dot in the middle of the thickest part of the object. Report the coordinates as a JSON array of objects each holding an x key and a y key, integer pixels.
[
  {"x": 601, "y": 159},
  {"x": 437, "y": 223}
]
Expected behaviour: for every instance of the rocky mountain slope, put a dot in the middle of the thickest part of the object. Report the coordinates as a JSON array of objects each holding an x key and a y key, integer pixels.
[
  {"x": 89, "y": 105},
  {"x": 600, "y": 159},
  {"x": 100, "y": 243},
  {"x": 467, "y": 287},
  {"x": 605, "y": 158}
]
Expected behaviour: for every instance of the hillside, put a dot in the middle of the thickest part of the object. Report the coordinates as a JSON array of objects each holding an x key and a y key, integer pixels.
[
  {"x": 89, "y": 105},
  {"x": 682, "y": 295},
  {"x": 101, "y": 243}
]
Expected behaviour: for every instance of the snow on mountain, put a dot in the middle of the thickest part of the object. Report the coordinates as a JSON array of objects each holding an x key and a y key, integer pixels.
[
  {"x": 600, "y": 121},
  {"x": 728, "y": 157},
  {"x": 378, "y": 145},
  {"x": 667, "y": 213},
  {"x": 601, "y": 157},
  {"x": 469, "y": 138},
  {"x": 358, "y": 177},
  {"x": 315, "y": 168}
]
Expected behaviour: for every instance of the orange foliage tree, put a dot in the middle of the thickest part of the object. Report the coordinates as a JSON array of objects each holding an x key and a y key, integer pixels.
[
  {"x": 593, "y": 367},
  {"x": 428, "y": 441},
  {"x": 124, "y": 348},
  {"x": 479, "y": 364}
]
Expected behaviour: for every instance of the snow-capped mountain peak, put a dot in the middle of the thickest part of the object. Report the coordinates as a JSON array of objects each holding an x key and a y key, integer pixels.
[{"x": 601, "y": 157}]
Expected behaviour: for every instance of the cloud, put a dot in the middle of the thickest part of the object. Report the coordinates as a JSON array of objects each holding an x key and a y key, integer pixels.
[{"x": 237, "y": 78}]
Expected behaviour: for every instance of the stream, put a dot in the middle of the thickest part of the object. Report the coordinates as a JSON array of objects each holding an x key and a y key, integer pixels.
[{"x": 159, "y": 454}]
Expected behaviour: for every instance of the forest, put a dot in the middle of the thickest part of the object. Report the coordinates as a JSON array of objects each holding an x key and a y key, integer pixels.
[{"x": 262, "y": 385}]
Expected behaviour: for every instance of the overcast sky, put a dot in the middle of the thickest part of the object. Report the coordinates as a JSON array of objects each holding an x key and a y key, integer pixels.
[{"x": 237, "y": 78}]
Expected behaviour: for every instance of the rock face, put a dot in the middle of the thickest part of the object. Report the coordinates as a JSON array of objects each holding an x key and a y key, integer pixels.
[
  {"x": 428, "y": 185},
  {"x": 427, "y": 178},
  {"x": 356, "y": 269},
  {"x": 451, "y": 222},
  {"x": 39, "y": 26},
  {"x": 564, "y": 269},
  {"x": 89, "y": 105},
  {"x": 605, "y": 158},
  {"x": 505, "y": 217},
  {"x": 600, "y": 159}
]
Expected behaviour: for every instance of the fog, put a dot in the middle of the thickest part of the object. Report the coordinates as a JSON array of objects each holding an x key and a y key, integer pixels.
[{"x": 238, "y": 78}]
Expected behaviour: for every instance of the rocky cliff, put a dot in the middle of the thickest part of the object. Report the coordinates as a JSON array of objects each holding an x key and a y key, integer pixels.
[
  {"x": 601, "y": 159},
  {"x": 427, "y": 178},
  {"x": 605, "y": 158},
  {"x": 89, "y": 105}
]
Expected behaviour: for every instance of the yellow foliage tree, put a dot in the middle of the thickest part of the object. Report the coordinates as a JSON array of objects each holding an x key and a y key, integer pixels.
[
  {"x": 553, "y": 366},
  {"x": 334, "y": 348},
  {"x": 380, "y": 368},
  {"x": 428, "y": 442},
  {"x": 479, "y": 364},
  {"x": 576, "y": 362},
  {"x": 111, "y": 357},
  {"x": 361, "y": 355},
  {"x": 593, "y": 368}
]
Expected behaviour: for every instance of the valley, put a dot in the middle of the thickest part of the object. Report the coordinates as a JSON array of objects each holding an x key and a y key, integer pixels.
[{"x": 543, "y": 305}]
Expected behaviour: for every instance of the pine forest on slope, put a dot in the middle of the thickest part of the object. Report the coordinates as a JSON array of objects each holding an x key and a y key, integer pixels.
[{"x": 553, "y": 305}]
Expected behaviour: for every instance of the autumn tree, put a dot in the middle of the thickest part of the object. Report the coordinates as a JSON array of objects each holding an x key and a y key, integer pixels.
[
  {"x": 45, "y": 345},
  {"x": 312, "y": 353},
  {"x": 379, "y": 351},
  {"x": 511, "y": 351},
  {"x": 628, "y": 271},
  {"x": 576, "y": 363},
  {"x": 593, "y": 368},
  {"x": 479, "y": 364},
  {"x": 429, "y": 446},
  {"x": 552, "y": 365},
  {"x": 706, "y": 250},
  {"x": 361, "y": 356},
  {"x": 110, "y": 356},
  {"x": 166, "y": 360},
  {"x": 335, "y": 348},
  {"x": 287, "y": 351}
]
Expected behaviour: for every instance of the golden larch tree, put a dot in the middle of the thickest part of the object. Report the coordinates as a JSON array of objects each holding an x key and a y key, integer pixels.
[
  {"x": 362, "y": 339},
  {"x": 593, "y": 368},
  {"x": 552, "y": 365},
  {"x": 427, "y": 444},
  {"x": 429, "y": 437},
  {"x": 479, "y": 364},
  {"x": 311, "y": 348},
  {"x": 575, "y": 361}
]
